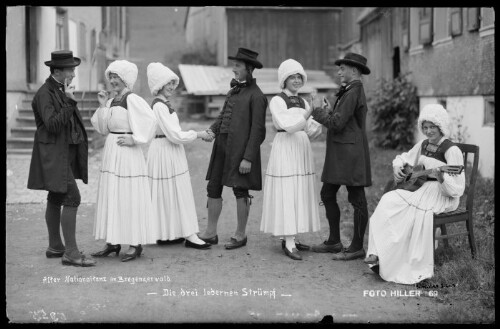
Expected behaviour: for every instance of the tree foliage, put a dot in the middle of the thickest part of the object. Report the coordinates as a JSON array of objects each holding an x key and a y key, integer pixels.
[{"x": 395, "y": 108}]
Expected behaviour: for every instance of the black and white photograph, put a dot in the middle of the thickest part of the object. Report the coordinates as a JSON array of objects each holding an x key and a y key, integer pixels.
[{"x": 250, "y": 165}]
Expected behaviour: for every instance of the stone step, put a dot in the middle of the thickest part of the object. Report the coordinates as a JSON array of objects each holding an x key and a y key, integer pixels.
[
  {"x": 30, "y": 131},
  {"x": 27, "y": 112},
  {"x": 19, "y": 151},
  {"x": 87, "y": 102},
  {"x": 26, "y": 121},
  {"x": 24, "y": 142}
]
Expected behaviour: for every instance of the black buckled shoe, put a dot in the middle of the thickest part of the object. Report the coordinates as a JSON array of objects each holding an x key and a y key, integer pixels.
[
  {"x": 212, "y": 240},
  {"x": 298, "y": 245},
  {"x": 83, "y": 261},
  {"x": 168, "y": 242},
  {"x": 233, "y": 244},
  {"x": 53, "y": 253},
  {"x": 294, "y": 254},
  {"x": 137, "y": 253},
  {"x": 190, "y": 244}
]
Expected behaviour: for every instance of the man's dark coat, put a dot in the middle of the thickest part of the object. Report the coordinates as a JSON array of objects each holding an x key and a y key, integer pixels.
[
  {"x": 347, "y": 160},
  {"x": 49, "y": 160},
  {"x": 247, "y": 132}
]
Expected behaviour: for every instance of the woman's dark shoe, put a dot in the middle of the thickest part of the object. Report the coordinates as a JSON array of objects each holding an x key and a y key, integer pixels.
[
  {"x": 294, "y": 254},
  {"x": 212, "y": 240},
  {"x": 83, "y": 261},
  {"x": 233, "y": 243},
  {"x": 190, "y": 244},
  {"x": 137, "y": 253},
  {"x": 110, "y": 248},
  {"x": 300, "y": 246},
  {"x": 167, "y": 242},
  {"x": 53, "y": 253}
]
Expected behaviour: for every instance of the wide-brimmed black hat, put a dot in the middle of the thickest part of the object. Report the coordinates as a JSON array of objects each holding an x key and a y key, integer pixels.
[
  {"x": 249, "y": 56},
  {"x": 354, "y": 60},
  {"x": 63, "y": 58}
]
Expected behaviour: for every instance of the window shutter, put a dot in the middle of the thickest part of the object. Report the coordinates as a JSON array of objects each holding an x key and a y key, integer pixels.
[
  {"x": 425, "y": 26},
  {"x": 472, "y": 19},
  {"x": 456, "y": 21}
]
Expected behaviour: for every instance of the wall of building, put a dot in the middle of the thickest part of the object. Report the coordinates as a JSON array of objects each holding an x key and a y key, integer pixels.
[
  {"x": 156, "y": 35},
  {"x": 304, "y": 35},
  {"x": 469, "y": 111},
  {"x": 463, "y": 66}
]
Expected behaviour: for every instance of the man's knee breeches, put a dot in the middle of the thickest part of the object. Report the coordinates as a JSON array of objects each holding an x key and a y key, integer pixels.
[{"x": 71, "y": 198}]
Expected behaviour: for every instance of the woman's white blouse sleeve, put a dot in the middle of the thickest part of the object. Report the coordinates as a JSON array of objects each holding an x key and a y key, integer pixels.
[
  {"x": 408, "y": 157},
  {"x": 313, "y": 128},
  {"x": 169, "y": 124},
  {"x": 291, "y": 121},
  {"x": 453, "y": 185},
  {"x": 142, "y": 121},
  {"x": 100, "y": 119}
]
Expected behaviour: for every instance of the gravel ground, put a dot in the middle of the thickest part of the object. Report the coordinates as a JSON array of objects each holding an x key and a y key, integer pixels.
[{"x": 253, "y": 284}]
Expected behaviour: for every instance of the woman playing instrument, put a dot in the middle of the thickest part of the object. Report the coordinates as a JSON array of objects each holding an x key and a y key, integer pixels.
[{"x": 400, "y": 230}]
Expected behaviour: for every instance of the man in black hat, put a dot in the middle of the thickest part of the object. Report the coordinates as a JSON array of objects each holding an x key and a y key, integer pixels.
[
  {"x": 239, "y": 130},
  {"x": 347, "y": 160},
  {"x": 60, "y": 154}
]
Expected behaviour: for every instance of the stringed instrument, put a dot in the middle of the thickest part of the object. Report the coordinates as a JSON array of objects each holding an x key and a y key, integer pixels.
[{"x": 416, "y": 176}]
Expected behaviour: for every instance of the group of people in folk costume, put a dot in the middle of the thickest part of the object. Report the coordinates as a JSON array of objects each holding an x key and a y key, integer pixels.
[{"x": 150, "y": 200}]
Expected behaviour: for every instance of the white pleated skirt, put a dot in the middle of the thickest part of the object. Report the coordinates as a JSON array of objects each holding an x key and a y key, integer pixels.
[
  {"x": 400, "y": 232},
  {"x": 123, "y": 207},
  {"x": 174, "y": 211},
  {"x": 290, "y": 203}
]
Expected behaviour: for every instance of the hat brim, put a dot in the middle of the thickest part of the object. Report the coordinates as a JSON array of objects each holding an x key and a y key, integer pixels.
[
  {"x": 76, "y": 61},
  {"x": 253, "y": 62},
  {"x": 364, "y": 69}
]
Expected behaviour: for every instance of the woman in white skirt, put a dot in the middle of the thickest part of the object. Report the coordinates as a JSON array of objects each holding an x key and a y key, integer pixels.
[
  {"x": 123, "y": 208},
  {"x": 174, "y": 211},
  {"x": 290, "y": 195},
  {"x": 400, "y": 246}
]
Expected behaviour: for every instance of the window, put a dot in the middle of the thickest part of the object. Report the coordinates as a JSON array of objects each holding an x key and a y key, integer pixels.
[
  {"x": 455, "y": 21},
  {"x": 60, "y": 31},
  {"x": 489, "y": 111},
  {"x": 104, "y": 16},
  {"x": 441, "y": 24},
  {"x": 472, "y": 19},
  {"x": 442, "y": 101},
  {"x": 82, "y": 41},
  {"x": 425, "y": 26},
  {"x": 396, "y": 65}
]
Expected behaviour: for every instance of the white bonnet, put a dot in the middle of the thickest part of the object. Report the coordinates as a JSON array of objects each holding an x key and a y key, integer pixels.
[
  {"x": 288, "y": 68},
  {"x": 126, "y": 70},
  {"x": 158, "y": 76},
  {"x": 436, "y": 114}
]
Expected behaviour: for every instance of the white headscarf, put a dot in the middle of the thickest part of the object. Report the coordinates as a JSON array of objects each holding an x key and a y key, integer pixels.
[
  {"x": 288, "y": 68},
  {"x": 436, "y": 114},
  {"x": 126, "y": 70},
  {"x": 158, "y": 76}
]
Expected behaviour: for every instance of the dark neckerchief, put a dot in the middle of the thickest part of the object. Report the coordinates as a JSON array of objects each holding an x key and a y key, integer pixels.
[{"x": 236, "y": 86}]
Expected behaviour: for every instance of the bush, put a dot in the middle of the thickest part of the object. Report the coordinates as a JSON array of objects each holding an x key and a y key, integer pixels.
[{"x": 395, "y": 109}]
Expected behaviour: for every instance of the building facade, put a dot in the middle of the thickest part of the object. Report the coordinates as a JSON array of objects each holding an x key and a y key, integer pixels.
[
  {"x": 97, "y": 35},
  {"x": 307, "y": 34},
  {"x": 449, "y": 53}
]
